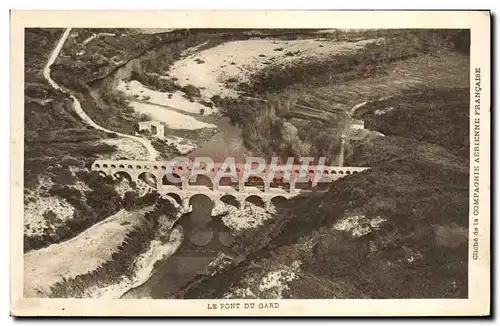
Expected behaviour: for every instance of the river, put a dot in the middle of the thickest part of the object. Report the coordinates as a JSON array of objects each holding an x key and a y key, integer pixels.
[
  {"x": 204, "y": 238},
  {"x": 202, "y": 233}
]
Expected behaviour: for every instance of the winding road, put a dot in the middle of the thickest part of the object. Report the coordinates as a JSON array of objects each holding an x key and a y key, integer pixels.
[{"x": 152, "y": 153}]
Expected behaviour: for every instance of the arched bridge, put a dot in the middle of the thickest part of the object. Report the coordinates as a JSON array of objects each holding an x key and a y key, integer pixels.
[{"x": 258, "y": 188}]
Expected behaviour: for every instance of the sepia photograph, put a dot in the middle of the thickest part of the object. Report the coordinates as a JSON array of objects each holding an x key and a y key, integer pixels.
[{"x": 262, "y": 164}]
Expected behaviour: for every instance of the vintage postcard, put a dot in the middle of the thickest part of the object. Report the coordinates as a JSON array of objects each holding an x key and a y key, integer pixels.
[{"x": 231, "y": 163}]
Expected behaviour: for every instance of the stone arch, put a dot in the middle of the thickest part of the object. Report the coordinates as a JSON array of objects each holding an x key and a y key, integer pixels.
[
  {"x": 155, "y": 167},
  {"x": 149, "y": 178},
  {"x": 225, "y": 238},
  {"x": 123, "y": 175},
  {"x": 303, "y": 184},
  {"x": 228, "y": 182},
  {"x": 175, "y": 197},
  {"x": 102, "y": 173},
  {"x": 202, "y": 207},
  {"x": 201, "y": 180},
  {"x": 341, "y": 172},
  {"x": 201, "y": 236},
  {"x": 130, "y": 166},
  {"x": 197, "y": 196},
  {"x": 121, "y": 166},
  {"x": 278, "y": 201},
  {"x": 256, "y": 200},
  {"x": 255, "y": 181},
  {"x": 97, "y": 166},
  {"x": 105, "y": 166},
  {"x": 113, "y": 166},
  {"x": 323, "y": 184},
  {"x": 347, "y": 172},
  {"x": 230, "y": 200},
  {"x": 279, "y": 183},
  {"x": 138, "y": 167},
  {"x": 166, "y": 182}
]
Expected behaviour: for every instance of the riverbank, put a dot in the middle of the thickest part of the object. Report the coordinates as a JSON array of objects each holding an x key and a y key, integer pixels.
[
  {"x": 94, "y": 247},
  {"x": 145, "y": 264}
]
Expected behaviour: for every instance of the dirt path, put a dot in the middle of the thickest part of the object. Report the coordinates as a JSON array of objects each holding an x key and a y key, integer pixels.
[{"x": 152, "y": 153}]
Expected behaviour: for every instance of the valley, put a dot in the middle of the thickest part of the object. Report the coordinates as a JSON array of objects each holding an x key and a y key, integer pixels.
[{"x": 387, "y": 100}]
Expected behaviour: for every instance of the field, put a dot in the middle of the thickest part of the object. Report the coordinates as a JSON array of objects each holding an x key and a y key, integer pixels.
[{"x": 446, "y": 69}]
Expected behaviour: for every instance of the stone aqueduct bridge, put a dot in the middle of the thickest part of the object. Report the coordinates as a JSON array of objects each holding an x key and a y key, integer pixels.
[{"x": 256, "y": 189}]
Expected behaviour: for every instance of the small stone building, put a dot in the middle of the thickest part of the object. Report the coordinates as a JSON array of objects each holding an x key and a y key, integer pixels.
[
  {"x": 155, "y": 128},
  {"x": 357, "y": 124}
]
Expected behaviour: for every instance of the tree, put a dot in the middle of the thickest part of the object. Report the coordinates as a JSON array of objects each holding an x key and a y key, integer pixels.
[
  {"x": 191, "y": 91},
  {"x": 129, "y": 198},
  {"x": 291, "y": 141},
  {"x": 217, "y": 100},
  {"x": 104, "y": 199}
]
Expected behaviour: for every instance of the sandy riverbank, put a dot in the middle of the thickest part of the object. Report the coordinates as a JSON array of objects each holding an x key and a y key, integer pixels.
[
  {"x": 214, "y": 70},
  {"x": 94, "y": 247},
  {"x": 144, "y": 267}
]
